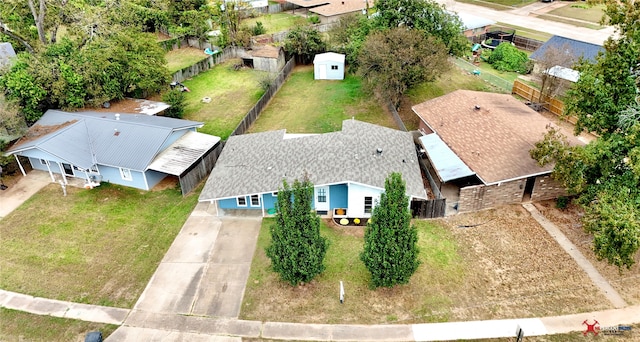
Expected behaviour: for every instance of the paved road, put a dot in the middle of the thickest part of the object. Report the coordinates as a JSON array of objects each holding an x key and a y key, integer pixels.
[{"x": 520, "y": 17}]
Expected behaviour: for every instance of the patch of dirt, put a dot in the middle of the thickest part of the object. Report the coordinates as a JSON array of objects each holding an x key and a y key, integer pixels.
[
  {"x": 357, "y": 231},
  {"x": 169, "y": 182},
  {"x": 568, "y": 221},
  {"x": 515, "y": 269},
  {"x": 161, "y": 36}
]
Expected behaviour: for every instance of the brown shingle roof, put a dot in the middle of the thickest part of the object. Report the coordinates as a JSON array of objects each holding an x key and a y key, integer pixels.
[
  {"x": 493, "y": 140},
  {"x": 266, "y": 51}
]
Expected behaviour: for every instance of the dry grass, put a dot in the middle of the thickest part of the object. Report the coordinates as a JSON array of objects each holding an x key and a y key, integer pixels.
[
  {"x": 626, "y": 283},
  {"x": 184, "y": 57},
  {"x": 507, "y": 267}
]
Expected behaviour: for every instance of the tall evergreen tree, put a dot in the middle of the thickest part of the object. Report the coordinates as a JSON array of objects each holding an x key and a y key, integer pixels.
[
  {"x": 390, "y": 241},
  {"x": 297, "y": 250}
]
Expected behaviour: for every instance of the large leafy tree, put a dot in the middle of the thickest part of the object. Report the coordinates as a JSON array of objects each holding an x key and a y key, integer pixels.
[
  {"x": 304, "y": 42},
  {"x": 297, "y": 250},
  {"x": 348, "y": 36},
  {"x": 506, "y": 57},
  {"x": 425, "y": 15},
  {"x": 393, "y": 61},
  {"x": 390, "y": 241}
]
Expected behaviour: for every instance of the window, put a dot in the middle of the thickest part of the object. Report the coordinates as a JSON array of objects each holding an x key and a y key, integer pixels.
[
  {"x": 255, "y": 200},
  {"x": 44, "y": 162},
  {"x": 334, "y": 67},
  {"x": 125, "y": 174},
  {"x": 242, "y": 201},
  {"x": 368, "y": 204},
  {"x": 322, "y": 195}
]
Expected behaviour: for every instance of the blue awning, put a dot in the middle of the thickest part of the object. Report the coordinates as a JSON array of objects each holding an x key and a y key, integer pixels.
[{"x": 447, "y": 164}]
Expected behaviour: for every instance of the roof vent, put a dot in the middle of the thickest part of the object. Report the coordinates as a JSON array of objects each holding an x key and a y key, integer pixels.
[
  {"x": 116, "y": 132},
  {"x": 117, "y": 116},
  {"x": 379, "y": 151},
  {"x": 476, "y": 107}
]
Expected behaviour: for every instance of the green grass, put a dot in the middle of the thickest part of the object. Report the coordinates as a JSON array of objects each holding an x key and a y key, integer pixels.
[
  {"x": 581, "y": 11},
  {"x": 22, "y": 326},
  {"x": 182, "y": 58},
  {"x": 424, "y": 299},
  {"x": 97, "y": 246},
  {"x": 500, "y": 5},
  {"x": 570, "y": 21},
  {"x": 305, "y": 105},
  {"x": 233, "y": 93},
  {"x": 276, "y": 22}
]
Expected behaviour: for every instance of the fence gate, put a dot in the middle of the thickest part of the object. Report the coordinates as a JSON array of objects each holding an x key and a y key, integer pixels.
[{"x": 429, "y": 208}]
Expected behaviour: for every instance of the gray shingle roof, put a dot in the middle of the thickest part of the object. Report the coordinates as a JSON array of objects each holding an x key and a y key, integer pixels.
[
  {"x": 257, "y": 163},
  {"x": 84, "y": 139},
  {"x": 575, "y": 47}
]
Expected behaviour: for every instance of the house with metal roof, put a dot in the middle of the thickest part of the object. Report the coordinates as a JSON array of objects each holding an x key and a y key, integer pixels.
[
  {"x": 575, "y": 48},
  {"x": 348, "y": 169},
  {"x": 127, "y": 149},
  {"x": 479, "y": 143}
]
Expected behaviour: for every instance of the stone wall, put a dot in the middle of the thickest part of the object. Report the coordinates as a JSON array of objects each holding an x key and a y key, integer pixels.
[{"x": 478, "y": 197}]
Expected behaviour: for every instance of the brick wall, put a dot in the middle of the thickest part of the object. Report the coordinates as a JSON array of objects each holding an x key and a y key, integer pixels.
[
  {"x": 547, "y": 188},
  {"x": 479, "y": 197}
]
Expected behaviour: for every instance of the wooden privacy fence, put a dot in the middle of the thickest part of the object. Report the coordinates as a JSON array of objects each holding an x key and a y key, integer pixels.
[
  {"x": 532, "y": 94},
  {"x": 207, "y": 63},
  {"x": 429, "y": 208},
  {"x": 190, "y": 179},
  {"x": 254, "y": 112}
]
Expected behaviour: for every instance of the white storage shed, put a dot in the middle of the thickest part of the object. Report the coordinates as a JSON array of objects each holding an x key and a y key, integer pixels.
[{"x": 328, "y": 66}]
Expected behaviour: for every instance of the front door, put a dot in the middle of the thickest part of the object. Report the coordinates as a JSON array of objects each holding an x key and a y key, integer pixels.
[
  {"x": 321, "y": 196},
  {"x": 68, "y": 169}
]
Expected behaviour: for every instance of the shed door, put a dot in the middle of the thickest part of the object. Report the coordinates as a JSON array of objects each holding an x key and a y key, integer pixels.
[
  {"x": 322, "y": 72},
  {"x": 321, "y": 198}
]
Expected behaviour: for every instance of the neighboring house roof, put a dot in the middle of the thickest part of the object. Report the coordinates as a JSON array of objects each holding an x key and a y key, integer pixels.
[
  {"x": 340, "y": 7},
  {"x": 309, "y": 3},
  {"x": 471, "y": 22},
  {"x": 6, "y": 53},
  {"x": 491, "y": 133},
  {"x": 446, "y": 163},
  {"x": 564, "y": 73},
  {"x": 84, "y": 139},
  {"x": 257, "y": 163},
  {"x": 266, "y": 51},
  {"x": 328, "y": 57},
  {"x": 575, "y": 47}
]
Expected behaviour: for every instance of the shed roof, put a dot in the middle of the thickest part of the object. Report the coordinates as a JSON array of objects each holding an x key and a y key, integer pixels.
[
  {"x": 257, "y": 163},
  {"x": 573, "y": 47},
  {"x": 491, "y": 133},
  {"x": 84, "y": 139},
  {"x": 185, "y": 151},
  {"x": 266, "y": 51},
  {"x": 328, "y": 57},
  {"x": 340, "y": 7},
  {"x": 6, "y": 53},
  {"x": 446, "y": 163},
  {"x": 309, "y": 3}
]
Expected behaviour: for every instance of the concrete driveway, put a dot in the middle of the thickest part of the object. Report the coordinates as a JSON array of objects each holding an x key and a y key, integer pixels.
[
  {"x": 206, "y": 268},
  {"x": 25, "y": 187}
]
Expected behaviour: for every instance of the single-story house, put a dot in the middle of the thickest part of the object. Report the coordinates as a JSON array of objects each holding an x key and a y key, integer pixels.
[
  {"x": 127, "y": 149},
  {"x": 348, "y": 169},
  {"x": 268, "y": 58},
  {"x": 480, "y": 143},
  {"x": 474, "y": 25},
  {"x": 6, "y": 54},
  {"x": 330, "y": 11},
  {"x": 572, "y": 50},
  {"x": 328, "y": 66}
]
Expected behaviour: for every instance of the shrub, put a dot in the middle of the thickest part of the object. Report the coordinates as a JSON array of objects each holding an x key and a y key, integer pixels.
[
  {"x": 562, "y": 202},
  {"x": 258, "y": 29},
  {"x": 314, "y": 19},
  {"x": 507, "y": 57},
  {"x": 175, "y": 98}
]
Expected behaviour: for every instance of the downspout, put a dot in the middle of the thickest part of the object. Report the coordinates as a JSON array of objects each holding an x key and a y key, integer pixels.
[
  {"x": 262, "y": 204},
  {"x": 24, "y": 174},
  {"x": 64, "y": 177},
  {"x": 144, "y": 176}
]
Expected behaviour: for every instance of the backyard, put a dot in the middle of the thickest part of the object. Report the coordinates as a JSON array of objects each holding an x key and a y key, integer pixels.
[
  {"x": 184, "y": 57},
  {"x": 274, "y": 23},
  {"x": 232, "y": 93},
  {"x": 486, "y": 265},
  {"x": 96, "y": 246},
  {"x": 305, "y": 105}
]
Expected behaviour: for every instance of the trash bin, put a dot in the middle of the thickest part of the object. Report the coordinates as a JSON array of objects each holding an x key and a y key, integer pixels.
[{"x": 94, "y": 336}]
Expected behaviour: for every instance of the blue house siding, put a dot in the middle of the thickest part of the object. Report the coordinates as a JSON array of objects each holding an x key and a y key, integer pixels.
[
  {"x": 269, "y": 201},
  {"x": 232, "y": 203},
  {"x": 338, "y": 196},
  {"x": 112, "y": 175},
  {"x": 154, "y": 177}
]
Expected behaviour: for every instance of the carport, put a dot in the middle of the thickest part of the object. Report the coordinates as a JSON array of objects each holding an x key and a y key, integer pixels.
[{"x": 190, "y": 158}]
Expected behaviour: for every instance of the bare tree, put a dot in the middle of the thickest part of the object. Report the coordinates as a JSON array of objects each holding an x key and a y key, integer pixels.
[{"x": 554, "y": 56}]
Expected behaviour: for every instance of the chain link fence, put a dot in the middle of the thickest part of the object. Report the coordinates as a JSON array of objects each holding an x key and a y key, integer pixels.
[{"x": 493, "y": 79}]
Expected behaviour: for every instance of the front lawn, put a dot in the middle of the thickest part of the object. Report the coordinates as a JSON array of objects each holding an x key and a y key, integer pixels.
[
  {"x": 581, "y": 11},
  {"x": 232, "y": 92},
  {"x": 277, "y": 22},
  {"x": 492, "y": 264},
  {"x": 269, "y": 299},
  {"x": 97, "y": 246},
  {"x": 305, "y": 105},
  {"x": 22, "y": 326}
]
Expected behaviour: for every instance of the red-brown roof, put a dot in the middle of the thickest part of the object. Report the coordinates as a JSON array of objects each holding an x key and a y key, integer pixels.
[
  {"x": 492, "y": 133},
  {"x": 266, "y": 51}
]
